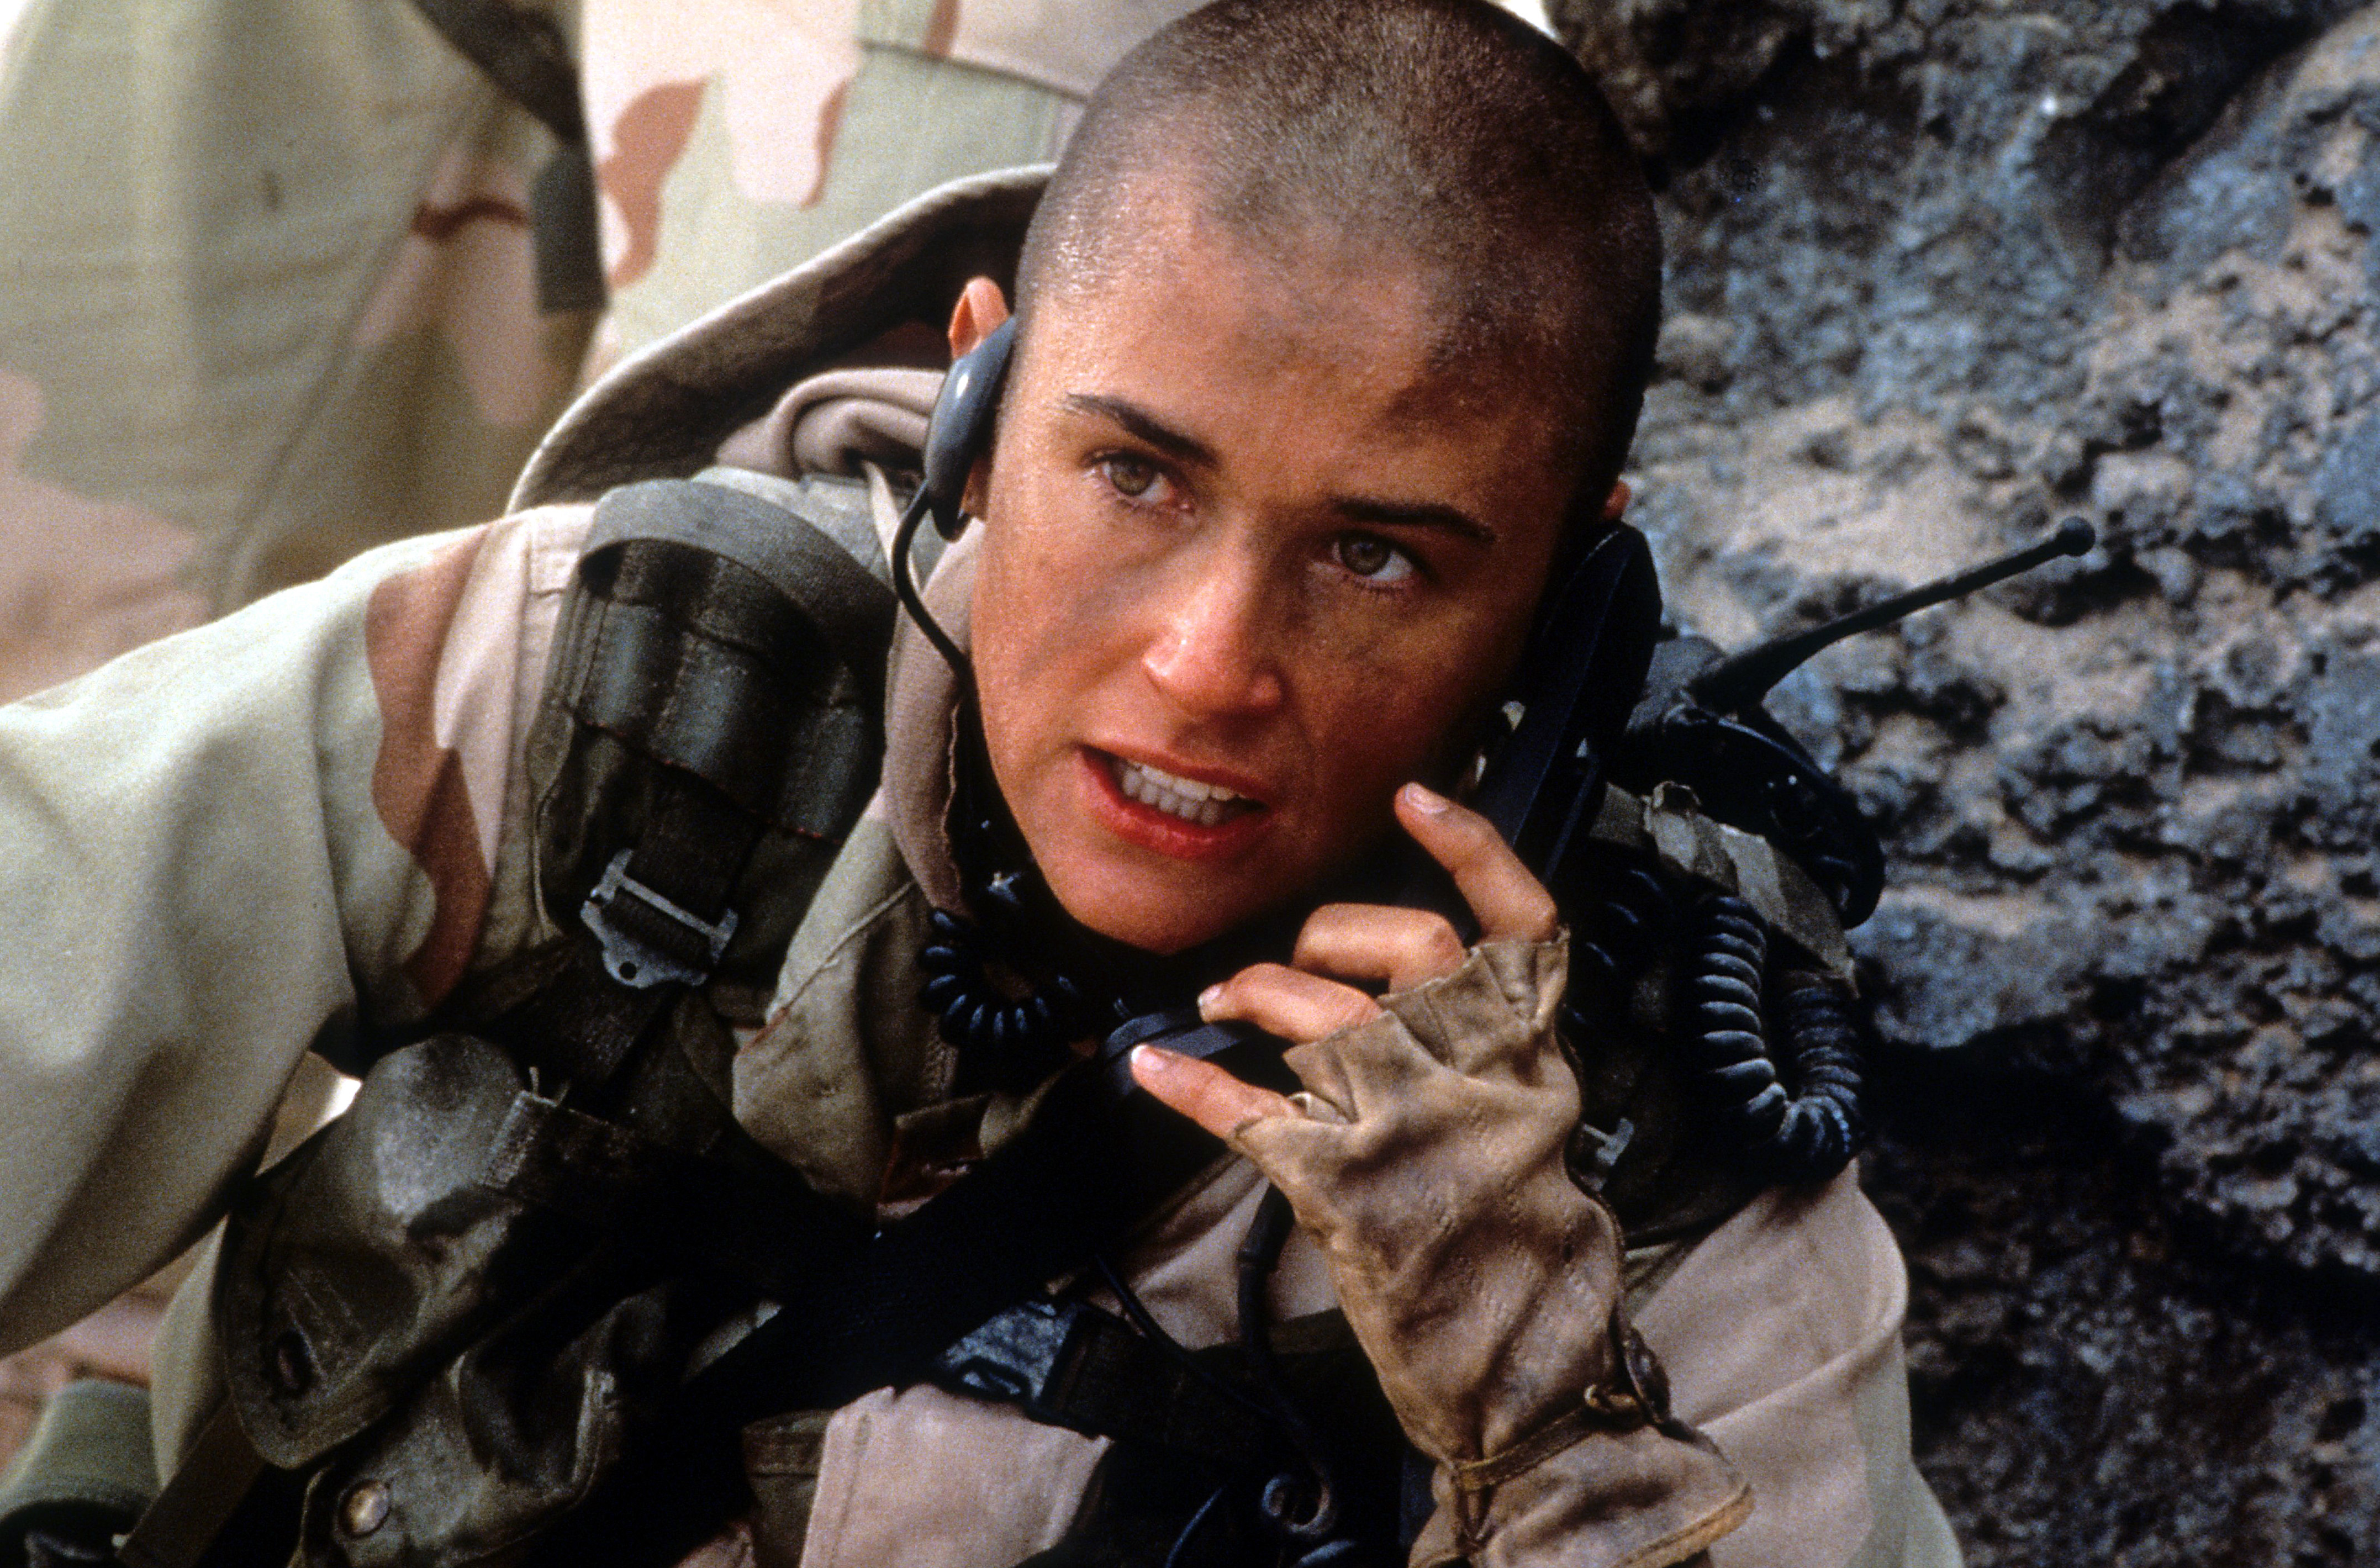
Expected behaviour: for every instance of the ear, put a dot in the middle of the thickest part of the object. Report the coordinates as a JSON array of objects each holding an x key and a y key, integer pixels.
[
  {"x": 1613, "y": 505},
  {"x": 980, "y": 312}
]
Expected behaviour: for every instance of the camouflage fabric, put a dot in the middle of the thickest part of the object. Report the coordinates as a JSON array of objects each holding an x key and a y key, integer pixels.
[
  {"x": 275, "y": 296},
  {"x": 271, "y": 303}
]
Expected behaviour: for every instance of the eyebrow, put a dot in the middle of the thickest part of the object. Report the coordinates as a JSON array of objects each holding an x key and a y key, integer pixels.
[
  {"x": 1418, "y": 515},
  {"x": 1147, "y": 426},
  {"x": 1139, "y": 423}
]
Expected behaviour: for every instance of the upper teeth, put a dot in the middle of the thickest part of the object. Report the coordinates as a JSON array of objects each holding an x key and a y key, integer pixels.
[{"x": 1187, "y": 798}]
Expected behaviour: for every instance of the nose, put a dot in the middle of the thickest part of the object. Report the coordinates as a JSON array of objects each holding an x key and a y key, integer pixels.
[{"x": 1212, "y": 654}]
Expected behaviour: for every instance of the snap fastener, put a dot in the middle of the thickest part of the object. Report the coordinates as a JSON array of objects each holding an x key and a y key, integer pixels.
[
  {"x": 1647, "y": 1379},
  {"x": 364, "y": 1509}
]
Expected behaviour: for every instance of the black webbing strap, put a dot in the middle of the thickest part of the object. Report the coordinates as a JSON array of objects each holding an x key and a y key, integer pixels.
[
  {"x": 760, "y": 1223},
  {"x": 1069, "y": 1364},
  {"x": 1070, "y": 1184},
  {"x": 223, "y": 1503}
]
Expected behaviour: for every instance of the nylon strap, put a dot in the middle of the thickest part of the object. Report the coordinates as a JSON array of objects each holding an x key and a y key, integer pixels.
[
  {"x": 1072, "y": 1182},
  {"x": 1115, "y": 1383},
  {"x": 758, "y": 1223},
  {"x": 223, "y": 1503}
]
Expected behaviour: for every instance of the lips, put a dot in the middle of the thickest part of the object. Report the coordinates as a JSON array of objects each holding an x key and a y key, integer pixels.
[{"x": 1172, "y": 813}]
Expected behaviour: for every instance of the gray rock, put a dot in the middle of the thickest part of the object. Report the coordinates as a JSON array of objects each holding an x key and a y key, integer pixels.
[{"x": 1940, "y": 273}]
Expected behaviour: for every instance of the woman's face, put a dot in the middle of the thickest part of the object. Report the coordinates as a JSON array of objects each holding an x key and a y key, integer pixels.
[{"x": 1251, "y": 561}]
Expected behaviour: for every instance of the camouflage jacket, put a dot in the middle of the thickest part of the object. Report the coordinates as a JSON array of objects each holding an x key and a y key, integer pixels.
[{"x": 306, "y": 825}]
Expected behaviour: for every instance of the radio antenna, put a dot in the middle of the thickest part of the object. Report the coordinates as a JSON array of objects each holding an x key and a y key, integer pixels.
[{"x": 1740, "y": 680}]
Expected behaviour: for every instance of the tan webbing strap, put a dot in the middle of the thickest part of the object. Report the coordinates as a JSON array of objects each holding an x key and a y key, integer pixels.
[{"x": 220, "y": 1470}]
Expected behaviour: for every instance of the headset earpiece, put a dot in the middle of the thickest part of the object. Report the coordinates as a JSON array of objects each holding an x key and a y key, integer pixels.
[{"x": 959, "y": 430}]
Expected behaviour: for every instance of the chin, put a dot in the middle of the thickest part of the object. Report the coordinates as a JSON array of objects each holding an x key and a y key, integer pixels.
[{"x": 1154, "y": 914}]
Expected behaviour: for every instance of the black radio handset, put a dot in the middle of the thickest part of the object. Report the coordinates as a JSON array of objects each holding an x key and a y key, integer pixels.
[
  {"x": 1581, "y": 673},
  {"x": 958, "y": 432}
]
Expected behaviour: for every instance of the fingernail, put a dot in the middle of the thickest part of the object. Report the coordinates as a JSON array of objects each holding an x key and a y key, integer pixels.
[
  {"x": 1208, "y": 998},
  {"x": 1426, "y": 800},
  {"x": 1148, "y": 1059}
]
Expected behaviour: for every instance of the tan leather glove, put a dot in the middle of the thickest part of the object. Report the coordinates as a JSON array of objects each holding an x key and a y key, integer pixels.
[{"x": 1427, "y": 1158}]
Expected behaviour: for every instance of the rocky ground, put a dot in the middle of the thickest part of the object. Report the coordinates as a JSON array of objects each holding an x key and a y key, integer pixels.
[{"x": 1943, "y": 272}]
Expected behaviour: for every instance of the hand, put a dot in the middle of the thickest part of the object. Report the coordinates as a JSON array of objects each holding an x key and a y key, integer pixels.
[
  {"x": 1424, "y": 1156},
  {"x": 1375, "y": 942}
]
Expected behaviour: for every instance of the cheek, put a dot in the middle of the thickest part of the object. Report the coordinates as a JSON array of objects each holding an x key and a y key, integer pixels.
[
  {"x": 1041, "y": 640},
  {"x": 1381, "y": 725}
]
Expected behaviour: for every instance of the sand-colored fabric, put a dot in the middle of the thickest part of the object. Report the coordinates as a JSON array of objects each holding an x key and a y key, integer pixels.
[
  {"x": 926, "y": 1479},
  {"x": 264, "y": 835},
  {"x": 272, "y": 301},
  {"x": 837, "y": 422},
  {"x": 881, "y": 296},
  {"x": 1782, "y": 1331}
]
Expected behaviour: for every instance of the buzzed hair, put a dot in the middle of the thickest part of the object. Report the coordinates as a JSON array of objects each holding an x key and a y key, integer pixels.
[{"x": 1448, "y": 132}]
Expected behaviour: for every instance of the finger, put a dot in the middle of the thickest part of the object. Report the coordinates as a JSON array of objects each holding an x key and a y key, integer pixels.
[
  {"x": 1202, "y": 1091},
  {"x": 1378, "y": 943},
  {"x": 1287, "y": 1003},
  {"x": 1510, "y": 901}
]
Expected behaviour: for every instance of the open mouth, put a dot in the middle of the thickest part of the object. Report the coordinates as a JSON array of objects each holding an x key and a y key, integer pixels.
[{"x": 1201, "y": 804}]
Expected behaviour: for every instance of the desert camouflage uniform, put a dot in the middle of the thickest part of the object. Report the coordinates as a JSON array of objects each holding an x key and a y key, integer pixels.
[
  {"x": 275, "y": 291},
  {"x": 275, "y": 295},
  {"x": 310, "y": 822}
]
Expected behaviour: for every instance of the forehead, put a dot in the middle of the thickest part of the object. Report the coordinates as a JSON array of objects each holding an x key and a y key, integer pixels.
[{"x": 1328, "y": 318}]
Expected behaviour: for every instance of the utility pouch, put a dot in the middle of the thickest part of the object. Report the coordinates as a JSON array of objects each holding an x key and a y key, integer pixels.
[
  {"x": 717, "y": 684},
  {"x": 512, "y": 1433},
  {"x": 376, "y": 1248},
  {"x": 451, "y": 1304}
]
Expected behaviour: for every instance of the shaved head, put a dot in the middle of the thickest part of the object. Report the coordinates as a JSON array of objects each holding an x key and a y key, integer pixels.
[{"x": 1442, "y": 137}]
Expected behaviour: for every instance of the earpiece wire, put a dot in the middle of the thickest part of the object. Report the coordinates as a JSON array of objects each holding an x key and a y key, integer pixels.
[{"x": 904, "y": 585}]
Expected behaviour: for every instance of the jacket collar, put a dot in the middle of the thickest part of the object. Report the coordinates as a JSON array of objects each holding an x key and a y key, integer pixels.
[{"x": 664, "y": 411}]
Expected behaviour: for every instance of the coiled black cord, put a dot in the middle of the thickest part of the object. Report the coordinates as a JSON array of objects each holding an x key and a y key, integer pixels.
[
  {"x": 1625, "y": 931},
  {"x": 1826, "y": 1124},
  {"x": 1722, "y": 1038},
  {"x": 1807, "y": 1134},
  {"x": 1002, "y": 1042}
]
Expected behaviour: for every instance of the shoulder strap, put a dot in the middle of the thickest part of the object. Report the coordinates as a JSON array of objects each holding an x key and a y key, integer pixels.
[
  {"x": 801, "y": 561},
  {"x": 712, "y": 730},
  {"x": 1070, "y": 1184}
]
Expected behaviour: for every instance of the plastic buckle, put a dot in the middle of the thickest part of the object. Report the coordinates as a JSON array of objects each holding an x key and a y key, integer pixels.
[
  {"x": 637, "y": 964},
  {"x": 1014, "y": 1355},
  {"x": 1605, "y": 1152}
]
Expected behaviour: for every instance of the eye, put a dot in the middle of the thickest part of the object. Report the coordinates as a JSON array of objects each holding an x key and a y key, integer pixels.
[
  {"x": 1373, "y": 559},
  {"x": 1130, "y": 477}
]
